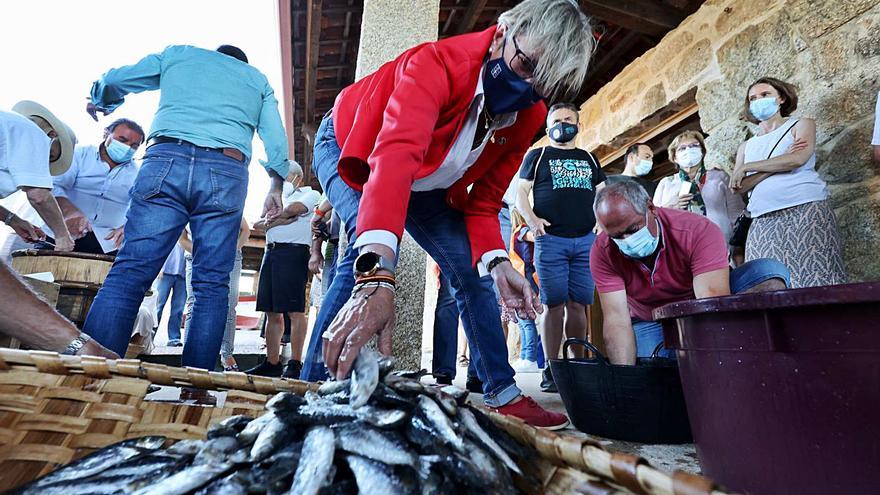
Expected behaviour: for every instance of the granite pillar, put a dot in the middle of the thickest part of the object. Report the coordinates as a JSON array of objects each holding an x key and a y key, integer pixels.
[{"x": 389, "y": 27}]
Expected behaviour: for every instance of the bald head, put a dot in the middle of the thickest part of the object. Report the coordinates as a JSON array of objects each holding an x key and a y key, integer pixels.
[{"x": 623, "y": 208}]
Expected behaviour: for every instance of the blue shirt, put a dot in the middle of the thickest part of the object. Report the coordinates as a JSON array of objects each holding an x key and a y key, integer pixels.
[
  {"x": 207, "y": 98},
  {"x": 100, "y": 193},
  {"x": 175, "y": 263}
]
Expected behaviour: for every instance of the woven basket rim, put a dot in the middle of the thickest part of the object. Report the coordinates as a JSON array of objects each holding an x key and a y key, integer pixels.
[{"x": 582, "y": 454}]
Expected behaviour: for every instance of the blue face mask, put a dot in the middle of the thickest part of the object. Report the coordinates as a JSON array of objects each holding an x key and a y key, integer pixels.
[
  {"x": 505, "y": 91},
  {"x": 764, "y": 108},
  {"x": 562, "y": 132},
  {"x": 639, "y": 245},
  {"x": 644, "y": 167},
  {"x": 119, "y": 152}
]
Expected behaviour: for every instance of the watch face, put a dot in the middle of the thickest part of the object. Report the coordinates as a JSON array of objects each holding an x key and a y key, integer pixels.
[{"x": 366, "y": 262}]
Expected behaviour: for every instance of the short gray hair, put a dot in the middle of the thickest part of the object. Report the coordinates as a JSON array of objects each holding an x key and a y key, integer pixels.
[
  {"x": 563, "y": 36},
  {"x": 628, "y": 190}
]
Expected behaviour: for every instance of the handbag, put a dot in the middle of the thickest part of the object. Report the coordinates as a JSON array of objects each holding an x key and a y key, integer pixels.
[{"x": 744, "y": 220}]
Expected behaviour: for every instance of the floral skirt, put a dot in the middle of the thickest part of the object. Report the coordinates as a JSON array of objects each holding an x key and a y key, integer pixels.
[{"x": 804, "y": 238}]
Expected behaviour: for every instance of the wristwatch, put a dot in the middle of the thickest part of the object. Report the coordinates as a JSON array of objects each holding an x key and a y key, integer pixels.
[
  {"x": 76, "y": 345},
  {"x": 369, "y": 263}
]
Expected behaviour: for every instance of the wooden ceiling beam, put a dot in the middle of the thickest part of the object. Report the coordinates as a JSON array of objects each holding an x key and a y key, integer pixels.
[
  {"x": 643, "y": 16},
  {"x": 470, "y": 16},
  {"x": 313, "y": 39}
]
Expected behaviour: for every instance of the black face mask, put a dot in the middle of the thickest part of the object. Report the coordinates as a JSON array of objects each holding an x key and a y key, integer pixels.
[{"x": 562, "y": 132}]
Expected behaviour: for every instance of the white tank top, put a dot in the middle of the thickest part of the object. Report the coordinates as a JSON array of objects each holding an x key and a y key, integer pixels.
[{"x": 783, "y": 190}]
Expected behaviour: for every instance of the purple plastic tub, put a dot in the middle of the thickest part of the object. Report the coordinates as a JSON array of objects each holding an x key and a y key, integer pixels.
[{"x": 783, "y": 388}]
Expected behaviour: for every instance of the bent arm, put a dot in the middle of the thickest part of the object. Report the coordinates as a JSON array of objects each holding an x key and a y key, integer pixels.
[
  {"x": 46, "y": 206},
  {"x": 109, "y": 92},
  {"x": 271, "y": 131},
  {"x": 244, "y": 232},
  {"x": 523, "y": 203},
  {"x": 805, "y": 130},
  {"x": 185, "y": 242},
  {"x": 712, "y": 284},
  {"x": 26, "y": 317},
  {"x": 620, "y": 340}
]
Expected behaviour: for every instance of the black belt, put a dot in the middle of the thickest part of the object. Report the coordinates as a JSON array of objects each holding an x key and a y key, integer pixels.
[
  {"x": 273, "y": 245},
  {"x": 230, "y": 152}
]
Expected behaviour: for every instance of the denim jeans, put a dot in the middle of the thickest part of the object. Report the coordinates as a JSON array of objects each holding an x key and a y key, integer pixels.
[
  {"x": 446, "y": 332},
  {"x": 563, "y": 265},
  {"x": 649, "y": 334},
  {"x": 441, "y": 232},
  {"x": 177, "y": 183},
  {"x": 529, "y": 339},
  {"x": 227, "y": 347},
  {"x": 176, "y": 286}
]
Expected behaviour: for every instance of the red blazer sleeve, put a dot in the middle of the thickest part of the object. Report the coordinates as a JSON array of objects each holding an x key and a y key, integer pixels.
[{"x": 421, "y": 91}]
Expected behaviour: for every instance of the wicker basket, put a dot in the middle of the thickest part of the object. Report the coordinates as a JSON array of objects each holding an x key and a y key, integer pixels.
[{"x": 54, "y": 409}]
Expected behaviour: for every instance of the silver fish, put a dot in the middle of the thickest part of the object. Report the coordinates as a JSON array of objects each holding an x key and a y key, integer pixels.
[
  {"x": 364, "y": 377},
  {"x": 122, "y": 478},
  {"x": 190, "y": 446},
  {"x": 334, "y": 386},
  {"x": 375, "y": 477},
  {"x": 440, "y": 423},
  {"x": 188, "y": 480},
  {"x": 386, "y": 448},
  {"x": 315, "y": 463},
  {"x": 404, "y": 385},
  {"x": 386, "y": 365},
  {"x": 228, "y": 427},
  {"x": 446, "y": 402},
  {"x": 98, "y": 461},
  {"x": 493, "y": 474},
  {"x": 285, "y": 402},
  {"x": 268, "y": 441},
  {"x": 472, "y": 427},
  {"x": 216, "y": 450},
  {"x": 459, "y": 394},
  {"x": 234, "y": 484},
  {"x": 249, "y": 434}
]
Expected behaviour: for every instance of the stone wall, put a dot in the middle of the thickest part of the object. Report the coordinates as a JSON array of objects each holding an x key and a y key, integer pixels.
[{"x": 829, "y": 48}]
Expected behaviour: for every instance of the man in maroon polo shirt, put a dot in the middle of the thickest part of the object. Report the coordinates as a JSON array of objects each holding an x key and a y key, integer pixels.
[{"x": 648, "y": 256}]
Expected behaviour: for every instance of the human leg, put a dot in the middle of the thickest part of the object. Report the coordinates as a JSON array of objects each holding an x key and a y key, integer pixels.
[
  {"x": 445, "y": 332},
  {"x": 227, "y": 347},
  {"x": 164, "y": 287},
  {"x": 178, "y": 300},
  {"x": 759, "y": 275},
  {"x": 649, "y": 334}
]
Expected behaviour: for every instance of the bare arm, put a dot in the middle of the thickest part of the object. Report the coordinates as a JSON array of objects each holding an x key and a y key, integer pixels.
[
  {"x": 294, "y": 210},
  {"x": 877, "y": 154},
  {"x": 26, "y": 317},
  {"x": 711, "y": 284},
  {"x": 524, "y": 205},
  {"x": 620, "y": 340},
  {"x": 185, "y": 242},
  {"x": 804, "y": 130},
  {"x": 46, "y": 206},
  {"x": 244, "y": 232}
]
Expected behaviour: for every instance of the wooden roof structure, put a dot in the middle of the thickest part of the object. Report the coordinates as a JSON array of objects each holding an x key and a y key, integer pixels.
[{"x": 324, "y": 37}]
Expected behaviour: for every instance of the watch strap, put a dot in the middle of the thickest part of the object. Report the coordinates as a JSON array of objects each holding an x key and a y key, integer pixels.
[
  {"x": 495, "y": 262},
  {"x": 76, "y": 345}
]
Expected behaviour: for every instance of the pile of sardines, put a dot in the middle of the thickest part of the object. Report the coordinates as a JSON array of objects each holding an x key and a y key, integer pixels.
[{"x": 379, "y": 431}]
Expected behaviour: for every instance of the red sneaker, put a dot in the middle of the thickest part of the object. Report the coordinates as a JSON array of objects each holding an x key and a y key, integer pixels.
[{"x": 529, "y": 411}]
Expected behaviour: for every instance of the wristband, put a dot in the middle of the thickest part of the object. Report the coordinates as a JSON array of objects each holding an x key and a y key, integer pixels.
[
  {"x": 375, "y": 285},
  {"x": 9, "y": 216},
  {"x": 319, "y": 213},
  {"x": 495, "y": 262},
  {"x": 376, "y": 278}
]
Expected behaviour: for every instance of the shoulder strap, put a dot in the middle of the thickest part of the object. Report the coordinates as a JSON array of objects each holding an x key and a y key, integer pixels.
[{"x": 780, "y": 138}]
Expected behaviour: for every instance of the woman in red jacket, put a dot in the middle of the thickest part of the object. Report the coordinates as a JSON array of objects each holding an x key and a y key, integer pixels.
[{"x": 429, "y": 142}]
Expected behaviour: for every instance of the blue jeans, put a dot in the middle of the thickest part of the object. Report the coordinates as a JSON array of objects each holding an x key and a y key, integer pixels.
[
  {"x": 227, "y": 347},
  {"x": 441, "y": 232},
  {"x": 649, "y": 334},
  {"x": 446, "y": 332},
  {"x": 530, "y": 342},
  {"x": 176, "y": 286},
  {"x": 177, "y": 183},
  {"x": 563, "y": 265}
]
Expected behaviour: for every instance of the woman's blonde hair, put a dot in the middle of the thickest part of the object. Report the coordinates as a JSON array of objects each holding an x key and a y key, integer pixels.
[
  {"x": 562, "y": 36},
  {"x": 681, "y": 137}
]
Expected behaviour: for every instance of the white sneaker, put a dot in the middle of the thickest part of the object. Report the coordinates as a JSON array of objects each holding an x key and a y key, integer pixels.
[{"x": 525, "y": 366}]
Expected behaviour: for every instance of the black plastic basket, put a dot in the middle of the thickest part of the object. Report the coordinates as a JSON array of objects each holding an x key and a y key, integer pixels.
[{"x": 642, "y": 403}]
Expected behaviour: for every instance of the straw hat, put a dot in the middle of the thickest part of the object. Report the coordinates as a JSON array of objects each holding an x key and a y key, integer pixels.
[{"x": 66, "y": 136}]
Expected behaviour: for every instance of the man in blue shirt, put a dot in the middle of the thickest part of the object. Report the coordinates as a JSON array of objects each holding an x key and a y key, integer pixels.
[
  {"x": 93, "y": 193},
  {"x": 194, "y": 171}
]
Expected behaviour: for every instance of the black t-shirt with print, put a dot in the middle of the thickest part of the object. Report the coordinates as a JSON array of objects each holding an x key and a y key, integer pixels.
[{"x": 564, "y": 189}]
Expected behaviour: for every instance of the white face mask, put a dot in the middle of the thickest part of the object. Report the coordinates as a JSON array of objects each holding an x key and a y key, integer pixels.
[{"x": 689, "y": 158}]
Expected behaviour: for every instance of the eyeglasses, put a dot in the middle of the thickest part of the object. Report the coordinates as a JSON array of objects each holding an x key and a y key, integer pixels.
[
  {"x": 526, "y": 64},
  {"x": 686, "y": 147}
]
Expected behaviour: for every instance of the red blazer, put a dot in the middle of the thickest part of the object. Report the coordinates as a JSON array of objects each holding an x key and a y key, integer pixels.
[{"x": 396, "y": 126}]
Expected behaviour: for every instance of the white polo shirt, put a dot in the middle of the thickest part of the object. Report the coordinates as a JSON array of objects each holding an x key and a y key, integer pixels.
[
  {"x": 300, "y": 230},
  {"x": 24, "y": 154}
]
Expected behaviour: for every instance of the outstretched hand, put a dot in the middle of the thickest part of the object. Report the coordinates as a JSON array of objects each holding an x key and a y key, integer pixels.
[
  {"x": 370, "y": 311},
  {"x": 516, "y": 293}
]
